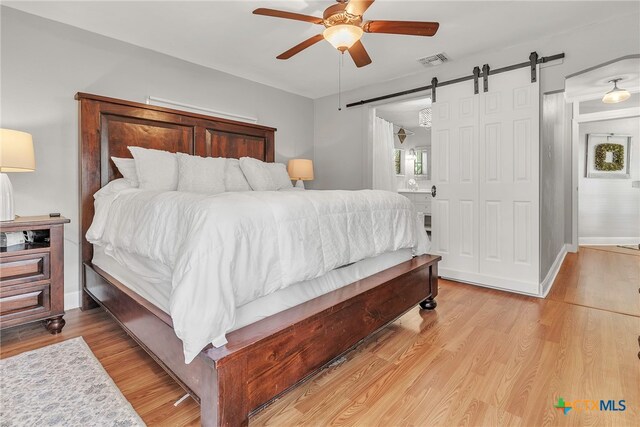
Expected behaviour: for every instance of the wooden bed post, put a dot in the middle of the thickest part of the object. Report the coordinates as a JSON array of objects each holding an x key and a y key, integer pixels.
[{"x": 430, "y": 303}]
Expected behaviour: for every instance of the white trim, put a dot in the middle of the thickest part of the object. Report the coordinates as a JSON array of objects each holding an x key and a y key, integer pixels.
[
  {"x": 609, "y": 241},
  {"x": 575, "y": 178},
  {"x": 609, "y": 115},
  {"x": 71, "y": 300},
  {"x": 160, "y": 102},
  {"x": 499, "y": 283},
  {"x": 549, "y": 280}
]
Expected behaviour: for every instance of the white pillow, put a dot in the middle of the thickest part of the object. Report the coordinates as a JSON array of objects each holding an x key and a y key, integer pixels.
[
  {"x": 200, "y": 174},
  {"x": 127, "y": 168},
  {"x": 280, "y": 175},
  {"x": 265, "y": 176},
  {"x": 113, "y": 187},
  {"x": 157, "y": 169},
  {"x": 234, "y": 179}
]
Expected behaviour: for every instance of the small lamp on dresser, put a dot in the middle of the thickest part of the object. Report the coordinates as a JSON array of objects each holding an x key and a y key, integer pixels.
[
  {"x": 16, "y": 155},
  {"x": 300, "y": 170}
]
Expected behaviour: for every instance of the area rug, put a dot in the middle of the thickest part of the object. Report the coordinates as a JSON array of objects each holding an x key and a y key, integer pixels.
[{"x": 61, "y": 385}]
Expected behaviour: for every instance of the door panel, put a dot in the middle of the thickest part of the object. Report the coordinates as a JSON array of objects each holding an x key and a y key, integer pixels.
[
  {"x": 508, "y": 175},
  {"x": 455, "y": 174}
]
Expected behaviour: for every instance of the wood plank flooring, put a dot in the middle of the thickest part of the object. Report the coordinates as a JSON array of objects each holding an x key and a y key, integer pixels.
[
  {"x": 483, "y": 357},
  {"x": 600, "y": 278}
]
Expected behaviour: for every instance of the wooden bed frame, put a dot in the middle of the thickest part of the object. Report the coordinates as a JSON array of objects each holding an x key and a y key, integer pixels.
[{"x": 266, "y": 358}]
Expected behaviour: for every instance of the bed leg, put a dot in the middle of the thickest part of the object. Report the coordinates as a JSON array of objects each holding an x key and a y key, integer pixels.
[
  {"x": 87, "y": 302},
  {"x": 428, "y": 304},
  {"x": 223, "y": 401}
]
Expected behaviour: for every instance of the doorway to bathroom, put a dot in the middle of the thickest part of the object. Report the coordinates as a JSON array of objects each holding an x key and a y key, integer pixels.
[{"x": 410, "y": 121}]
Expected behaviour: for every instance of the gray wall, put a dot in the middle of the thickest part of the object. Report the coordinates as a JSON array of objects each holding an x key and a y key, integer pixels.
[
  {"x": 555, "y": 196},
  {"x": 609, "y": 209},
  {"x": 44, "y": 63},
  {"x": 348, "y": 130}
]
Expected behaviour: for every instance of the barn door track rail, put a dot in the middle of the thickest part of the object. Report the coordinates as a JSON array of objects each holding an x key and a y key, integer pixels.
[{"x": 534, "y": 60}]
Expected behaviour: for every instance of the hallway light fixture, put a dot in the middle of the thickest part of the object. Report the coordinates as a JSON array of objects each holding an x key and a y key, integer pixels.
[{"x": 616, "y": 94}]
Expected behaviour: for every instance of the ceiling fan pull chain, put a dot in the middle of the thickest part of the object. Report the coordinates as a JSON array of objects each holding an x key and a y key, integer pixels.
[{"x": 340, "y": 62}]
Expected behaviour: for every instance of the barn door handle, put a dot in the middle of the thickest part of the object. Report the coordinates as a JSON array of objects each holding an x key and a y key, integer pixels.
[{"x": 433, "y": 191}]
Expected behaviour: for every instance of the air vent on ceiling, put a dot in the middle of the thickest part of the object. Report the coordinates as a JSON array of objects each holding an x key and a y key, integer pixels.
[{"x": 433, "y": 60}]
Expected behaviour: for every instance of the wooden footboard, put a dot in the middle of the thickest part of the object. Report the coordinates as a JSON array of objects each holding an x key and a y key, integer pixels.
[{"x": 264, "y": 359}]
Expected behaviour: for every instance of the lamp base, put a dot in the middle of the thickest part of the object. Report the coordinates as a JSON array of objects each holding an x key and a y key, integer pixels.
[
  {"x": 300, "y": 184},
  {"x": 6, "y": 199}
]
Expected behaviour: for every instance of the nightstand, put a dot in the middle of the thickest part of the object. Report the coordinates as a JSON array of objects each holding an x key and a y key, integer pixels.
[{"x": 32, "y": 274}]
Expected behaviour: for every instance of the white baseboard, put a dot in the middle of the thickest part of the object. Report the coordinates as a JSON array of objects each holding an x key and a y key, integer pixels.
[
  {"x": 71, "y": 300},
  {"x": 547, "y": 283},
  {"x": 609, "y": 241},
  {"x": 493, "y": 282}
]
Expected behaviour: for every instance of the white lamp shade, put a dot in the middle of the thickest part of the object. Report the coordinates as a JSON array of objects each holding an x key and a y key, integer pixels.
[
  {"x": 300, "y": 169},
  {"x": 16, "y": 151},
  {"x": 342, "y": 36},
  {"x": 615, "y": 96}
]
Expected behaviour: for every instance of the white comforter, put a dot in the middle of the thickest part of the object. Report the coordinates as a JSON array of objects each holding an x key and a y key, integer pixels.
[{"x": 229, "y": 249}]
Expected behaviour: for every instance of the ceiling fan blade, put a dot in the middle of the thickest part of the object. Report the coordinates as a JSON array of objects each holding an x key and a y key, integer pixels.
[
  {"x": 301, "y": 46},
  {"x": 358, "y": 7},
  {"x": 412, "y": 28},
  {"x": 359, "y": 54},
  {"x": 287, "y": 15}
]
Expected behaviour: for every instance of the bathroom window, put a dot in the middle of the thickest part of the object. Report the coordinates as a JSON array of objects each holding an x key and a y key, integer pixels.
[{"x": 398, "y": 163}]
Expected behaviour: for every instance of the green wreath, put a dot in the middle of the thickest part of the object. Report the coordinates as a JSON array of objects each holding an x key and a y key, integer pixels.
[{"x": 617, "y": 163}]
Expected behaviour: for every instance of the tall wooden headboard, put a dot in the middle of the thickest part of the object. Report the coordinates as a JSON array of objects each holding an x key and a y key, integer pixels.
[{"x": 108, "y": 126}]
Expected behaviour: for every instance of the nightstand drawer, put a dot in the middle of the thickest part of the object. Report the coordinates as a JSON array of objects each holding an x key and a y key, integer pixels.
[
  {"x": 24, "y": 301},
  {"x": 24, "y": 268}
]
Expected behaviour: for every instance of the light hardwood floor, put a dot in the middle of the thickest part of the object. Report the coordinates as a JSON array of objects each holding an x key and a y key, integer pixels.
[
  {"x": 483, "y": 357},
  {"x": 602, "y": 278}
]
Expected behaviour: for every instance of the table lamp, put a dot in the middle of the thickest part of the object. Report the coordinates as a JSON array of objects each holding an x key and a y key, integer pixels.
[
  {"x": 16, "y": 155},
  {"x": 300, "y": 170}
]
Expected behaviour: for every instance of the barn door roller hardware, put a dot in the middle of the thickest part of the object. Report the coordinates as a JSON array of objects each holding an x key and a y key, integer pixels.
[
  {"x": 476, "y": 76},
  {"x": 534, "y": 60},
  {"x": 434, "y": 85},
  {"x": 485, "y": 77}
]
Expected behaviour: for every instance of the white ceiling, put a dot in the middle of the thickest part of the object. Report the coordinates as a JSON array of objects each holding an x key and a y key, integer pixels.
[
  {"x": 226, "y": 36},
  {"x": 594, "y": 83},
  {"x": 405, "y": 113}
]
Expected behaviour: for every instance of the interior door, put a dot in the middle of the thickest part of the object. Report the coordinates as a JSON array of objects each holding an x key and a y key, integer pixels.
[
  {"x": 485, "y": 218},
  {"x": 454, "y": 209}
]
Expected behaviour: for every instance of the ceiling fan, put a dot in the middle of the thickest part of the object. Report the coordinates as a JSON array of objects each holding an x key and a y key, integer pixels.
[{"x": 344, "y": 26}]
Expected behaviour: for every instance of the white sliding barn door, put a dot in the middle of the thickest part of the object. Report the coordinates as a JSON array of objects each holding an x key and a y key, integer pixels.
[
  {"x": 485, "y": 216},
  {"x": 454, "y": 150}
]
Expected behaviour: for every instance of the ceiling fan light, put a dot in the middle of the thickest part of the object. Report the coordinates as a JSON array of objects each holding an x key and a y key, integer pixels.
[
  {"x": 616, "y": 94},
  {"x": 342, "y": 36}
]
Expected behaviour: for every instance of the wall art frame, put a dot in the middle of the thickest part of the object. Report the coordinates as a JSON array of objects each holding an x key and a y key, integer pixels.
[{"x": 608, "y": 155}]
